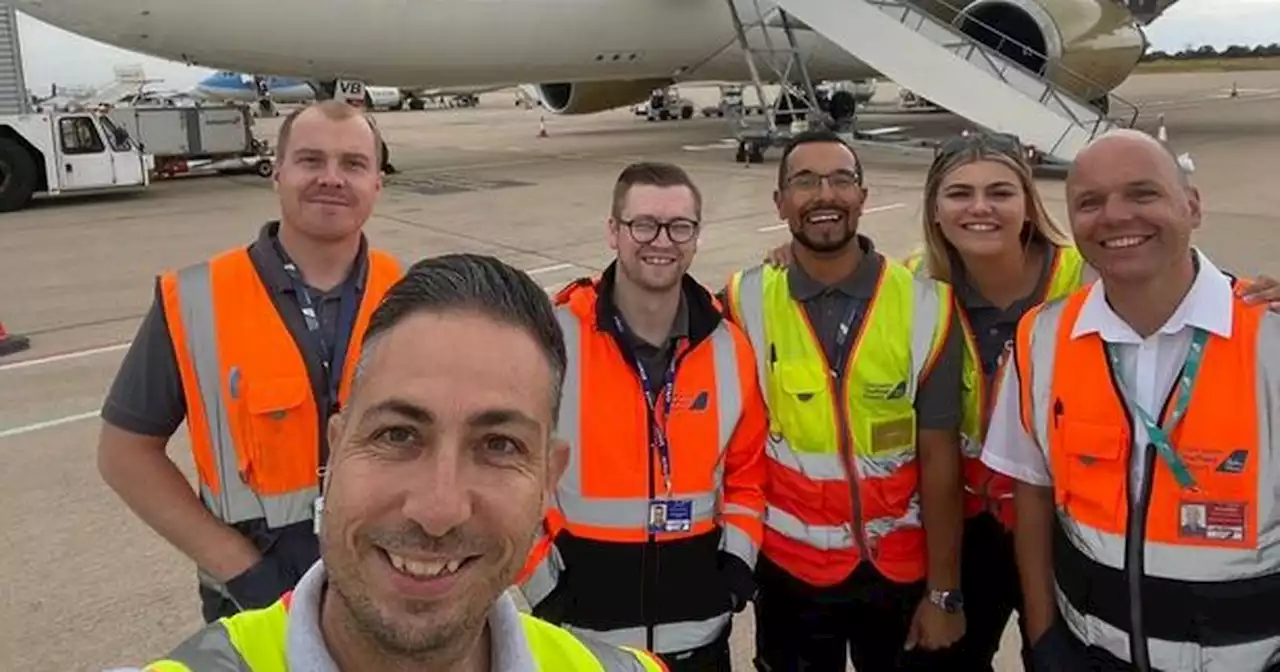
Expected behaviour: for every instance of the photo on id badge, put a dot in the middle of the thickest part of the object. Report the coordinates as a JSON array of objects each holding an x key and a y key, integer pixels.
[
  {"x": 671, "y": 516},
  {"x": 1213, "y": 521}
]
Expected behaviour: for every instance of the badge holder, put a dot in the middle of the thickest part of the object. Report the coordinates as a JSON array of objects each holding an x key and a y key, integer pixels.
[{"x": 671, "y": 515}]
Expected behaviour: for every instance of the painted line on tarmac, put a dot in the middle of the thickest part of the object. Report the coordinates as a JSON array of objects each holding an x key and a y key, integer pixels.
[
  {"x": 868, "y": 211},
  {"x": 47, "y": 424},
  {"x": 548, "y": 269},
  {"x": 76, "y": 354}
]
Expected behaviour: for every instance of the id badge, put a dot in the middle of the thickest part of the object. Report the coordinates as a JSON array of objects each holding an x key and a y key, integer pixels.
[{"x": 671, "y": 515}]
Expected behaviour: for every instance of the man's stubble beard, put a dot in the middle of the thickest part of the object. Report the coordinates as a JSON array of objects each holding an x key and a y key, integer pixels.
[{"x": 801, "y": 236}]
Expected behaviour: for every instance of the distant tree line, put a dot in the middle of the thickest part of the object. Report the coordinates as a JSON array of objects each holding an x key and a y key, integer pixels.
[{"x": 1206, "y": 51}]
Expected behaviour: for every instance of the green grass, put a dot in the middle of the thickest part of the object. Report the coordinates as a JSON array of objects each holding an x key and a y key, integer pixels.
[{"x": 1212, "y": 65}]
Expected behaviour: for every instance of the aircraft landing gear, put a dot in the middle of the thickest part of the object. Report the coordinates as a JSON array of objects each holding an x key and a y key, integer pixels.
[{"x": 749, "y": 151}]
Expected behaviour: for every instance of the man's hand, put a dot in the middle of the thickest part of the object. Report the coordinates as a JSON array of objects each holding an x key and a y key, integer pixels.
[
  {"x": 932, "y": 628},
  {"x": 779, "y": 256},
  {"x": 1262, "y": 289}
]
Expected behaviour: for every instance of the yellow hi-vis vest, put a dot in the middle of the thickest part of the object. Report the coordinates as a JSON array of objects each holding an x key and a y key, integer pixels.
[
  {"x": 986, "y": 490},
  {"x": 843, "y": 474},
  {"x": 254, "y": 641}
]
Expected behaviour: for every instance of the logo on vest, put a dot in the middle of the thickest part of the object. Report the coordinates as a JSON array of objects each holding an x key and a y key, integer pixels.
[
  {"x": 885, "y": 391},
  {"x": 1234, "y": 464}
]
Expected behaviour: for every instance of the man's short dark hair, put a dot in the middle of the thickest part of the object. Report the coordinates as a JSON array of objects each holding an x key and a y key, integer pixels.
[
  {"x": 479, "y": 283},
  {"x": 822, "y": 135},
  {"x": 655, "y": 174}
]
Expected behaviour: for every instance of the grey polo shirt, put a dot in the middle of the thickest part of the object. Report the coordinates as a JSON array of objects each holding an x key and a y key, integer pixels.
[
  {"x": 656, "y": 358},
  {"x": 147, "y": 397},
  {"x": 992, "y": 325},
  {"x": 938, "y": 398}
]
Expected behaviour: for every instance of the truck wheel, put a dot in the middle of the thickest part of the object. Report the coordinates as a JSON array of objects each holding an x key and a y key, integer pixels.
[
  {"x": 686, "y": 113},
  {"x": 17, "y": 176}
]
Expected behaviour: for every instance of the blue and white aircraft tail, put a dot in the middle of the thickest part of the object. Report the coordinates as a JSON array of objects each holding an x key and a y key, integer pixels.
[{"x": 239, "y": 87}]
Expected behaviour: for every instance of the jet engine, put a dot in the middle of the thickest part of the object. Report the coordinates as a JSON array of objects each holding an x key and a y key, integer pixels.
[
  {"x": 588, "y": 97},
  {"x": 1087, "y": 47}
]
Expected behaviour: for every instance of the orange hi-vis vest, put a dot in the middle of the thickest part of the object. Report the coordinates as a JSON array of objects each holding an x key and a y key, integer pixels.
[
  {"x": 1188, "y": 578},
  {"x": 633, "y": 580},
  {"x": 251, "y": 412},
  {"x": 843, "y": 481}
]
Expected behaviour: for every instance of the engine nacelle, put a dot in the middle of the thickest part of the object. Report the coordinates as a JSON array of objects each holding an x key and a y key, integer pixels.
[
  {"x": 1087, "y": 47},
  {"x": 588, "y": 97}
]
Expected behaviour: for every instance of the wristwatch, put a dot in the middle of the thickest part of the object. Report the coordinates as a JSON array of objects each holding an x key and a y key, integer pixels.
[{"x": 950, "y": 601}]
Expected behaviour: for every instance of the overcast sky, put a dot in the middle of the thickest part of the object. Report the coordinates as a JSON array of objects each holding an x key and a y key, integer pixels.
[{"x": 53, "y": 55}]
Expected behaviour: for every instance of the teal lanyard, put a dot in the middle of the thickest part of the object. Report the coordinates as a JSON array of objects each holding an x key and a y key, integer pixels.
[{"x": 1157, "y": 433}]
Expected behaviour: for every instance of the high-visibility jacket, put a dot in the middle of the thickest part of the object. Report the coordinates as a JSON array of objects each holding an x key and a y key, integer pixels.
[
  {"x": 255, "y": 641},
  {"x": 1193, "y": 573},
  {"x": 843, "y": 475},
  {"x": 251, "y": 413},
  {"x": 617, "y": 578},
  {"x": 985, "y": 489}
]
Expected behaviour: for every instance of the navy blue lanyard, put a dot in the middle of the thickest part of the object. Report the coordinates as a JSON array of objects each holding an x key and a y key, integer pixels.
[
  {"x": 657, "y": 434},
  {"x": 843, "y": 333},
  {"x": 331, "y": 360}
]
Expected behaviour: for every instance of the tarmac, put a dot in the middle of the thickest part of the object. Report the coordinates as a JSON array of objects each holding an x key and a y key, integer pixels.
[{"x": 89, "y": 587}]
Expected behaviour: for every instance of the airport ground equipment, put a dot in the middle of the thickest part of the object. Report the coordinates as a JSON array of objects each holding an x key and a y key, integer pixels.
[
  {"x": 56, "y": 153},
  {"x": 935, "y": 60},
  {"x": 184, "y": 139}
]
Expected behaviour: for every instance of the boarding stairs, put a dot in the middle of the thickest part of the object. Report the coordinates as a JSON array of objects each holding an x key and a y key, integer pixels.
[
  {"x": 14, "y": 98},
  {"x": 937, "y": 61}
]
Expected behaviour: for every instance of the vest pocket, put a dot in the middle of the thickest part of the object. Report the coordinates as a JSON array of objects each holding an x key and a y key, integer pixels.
[
  {"x": 278, "y": 429},
  {"x": 1094, "y": 472},
  {"x": 802, "y": 406}
]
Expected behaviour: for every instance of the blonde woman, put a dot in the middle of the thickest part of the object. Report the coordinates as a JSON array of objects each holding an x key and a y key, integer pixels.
[{"x": 987, "y": 233}]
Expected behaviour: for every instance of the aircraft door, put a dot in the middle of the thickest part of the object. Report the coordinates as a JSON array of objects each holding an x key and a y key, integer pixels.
[{"x": 83, "y": 160}]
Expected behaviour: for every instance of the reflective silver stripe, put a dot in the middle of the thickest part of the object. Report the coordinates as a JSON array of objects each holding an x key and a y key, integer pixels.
[
  {"x": 610, "y": 657},
  {"x": 925, "y": 308},
  {"x": 734, "y": 540},
  {"x": 1171, "y": 656},
  {"x": 884, "y": 464},
  {"x": 880, "y": 527},
  {"x": 633, "y": 512},
  {"x": 751, "y": 310},
  {"x": 667, "y": 637},
  {"x": 544, "y": 578},
  {"x": 821, "y": 537},
  {"x": 236, "y": 502},
  {"x": 210, "y": 648},
  {"x": 1184, "y": 562}
]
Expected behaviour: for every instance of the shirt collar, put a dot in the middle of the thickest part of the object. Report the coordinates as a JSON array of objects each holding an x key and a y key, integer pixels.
[
  {"x": 271, "y": 267},
  {"x": 306, "y": 649},
  {"x": 861, "y": 284},
  {"x": 1207, "y": 306}
]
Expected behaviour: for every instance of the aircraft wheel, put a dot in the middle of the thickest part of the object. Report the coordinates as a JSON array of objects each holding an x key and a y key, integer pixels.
[
  {"x": 686, "y": 113},
  {"x": 741, "y": 155},
  {"x": 756, "y": 155}
]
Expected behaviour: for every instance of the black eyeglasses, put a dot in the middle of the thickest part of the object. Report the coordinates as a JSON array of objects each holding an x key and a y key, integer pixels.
[
  {"x": 840, "y": 180},
  {"x": 645, "y": 230},
  {"x": 1003, "y": 143}
]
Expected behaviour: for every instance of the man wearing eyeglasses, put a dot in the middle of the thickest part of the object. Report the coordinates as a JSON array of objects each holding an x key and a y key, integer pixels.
[
  {"x": 860, "y": 366},
  {"x": 653, "y": 538}
]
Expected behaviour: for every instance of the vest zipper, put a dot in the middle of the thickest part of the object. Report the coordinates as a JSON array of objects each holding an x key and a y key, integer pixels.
[
  {"x": 837, "y": 380},
  {"x": 1136, "y": 527}
]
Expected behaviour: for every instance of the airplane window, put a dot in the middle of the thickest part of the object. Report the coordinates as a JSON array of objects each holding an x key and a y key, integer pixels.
[{"x": 80, "y": 136}]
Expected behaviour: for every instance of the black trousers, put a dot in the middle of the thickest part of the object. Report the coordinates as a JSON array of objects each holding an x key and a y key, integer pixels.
[
  {"x": 865, "y": 619},
  {"x": 992, "y": 592}
]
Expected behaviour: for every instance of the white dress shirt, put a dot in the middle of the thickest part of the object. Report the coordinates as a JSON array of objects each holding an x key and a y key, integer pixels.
[{"x": 1148, "y": 367}]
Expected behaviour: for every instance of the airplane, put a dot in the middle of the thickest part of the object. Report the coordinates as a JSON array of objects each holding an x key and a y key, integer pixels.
[
  {"x": 593, "y": 55},
  {"x": 239, "y": 87}
]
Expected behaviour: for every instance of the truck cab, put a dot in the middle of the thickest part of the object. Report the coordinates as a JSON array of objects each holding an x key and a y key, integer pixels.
[{"x": 63, "y": 153}]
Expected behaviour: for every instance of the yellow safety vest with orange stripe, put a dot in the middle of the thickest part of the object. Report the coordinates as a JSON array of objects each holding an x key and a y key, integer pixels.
[
  {"x": 987, "y": 490},
  {"x": 251, "y": 412},
  {"x": 843, "y": 474},
  {"x": 256, "y": 641}
]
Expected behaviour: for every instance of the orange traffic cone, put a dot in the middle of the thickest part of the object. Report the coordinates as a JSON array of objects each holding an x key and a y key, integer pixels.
[
  {"x": 542, "y": 127},
  {"x": 12, "y": 343}
]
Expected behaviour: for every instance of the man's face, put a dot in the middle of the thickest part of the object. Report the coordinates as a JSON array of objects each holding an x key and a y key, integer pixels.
[
  {"x": 657, "y": 263},
  {"x": 1131, "y": 215},
  {"x": 328, "y": 178},
  {"x": 440, "y": 473},
  {"x": 822, "y": 213}
]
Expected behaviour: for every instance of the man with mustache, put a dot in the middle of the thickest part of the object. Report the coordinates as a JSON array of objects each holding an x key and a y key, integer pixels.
[
  {"x": 254, "y": 349},
  {"x": 860, "y": 365},
  {"x": 444, "y": 459}
]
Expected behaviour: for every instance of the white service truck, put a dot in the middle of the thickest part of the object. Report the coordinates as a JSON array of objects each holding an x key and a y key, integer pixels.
[
  {"x": 65, "y": 153},
  {"x": 186, "y": 138}
]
